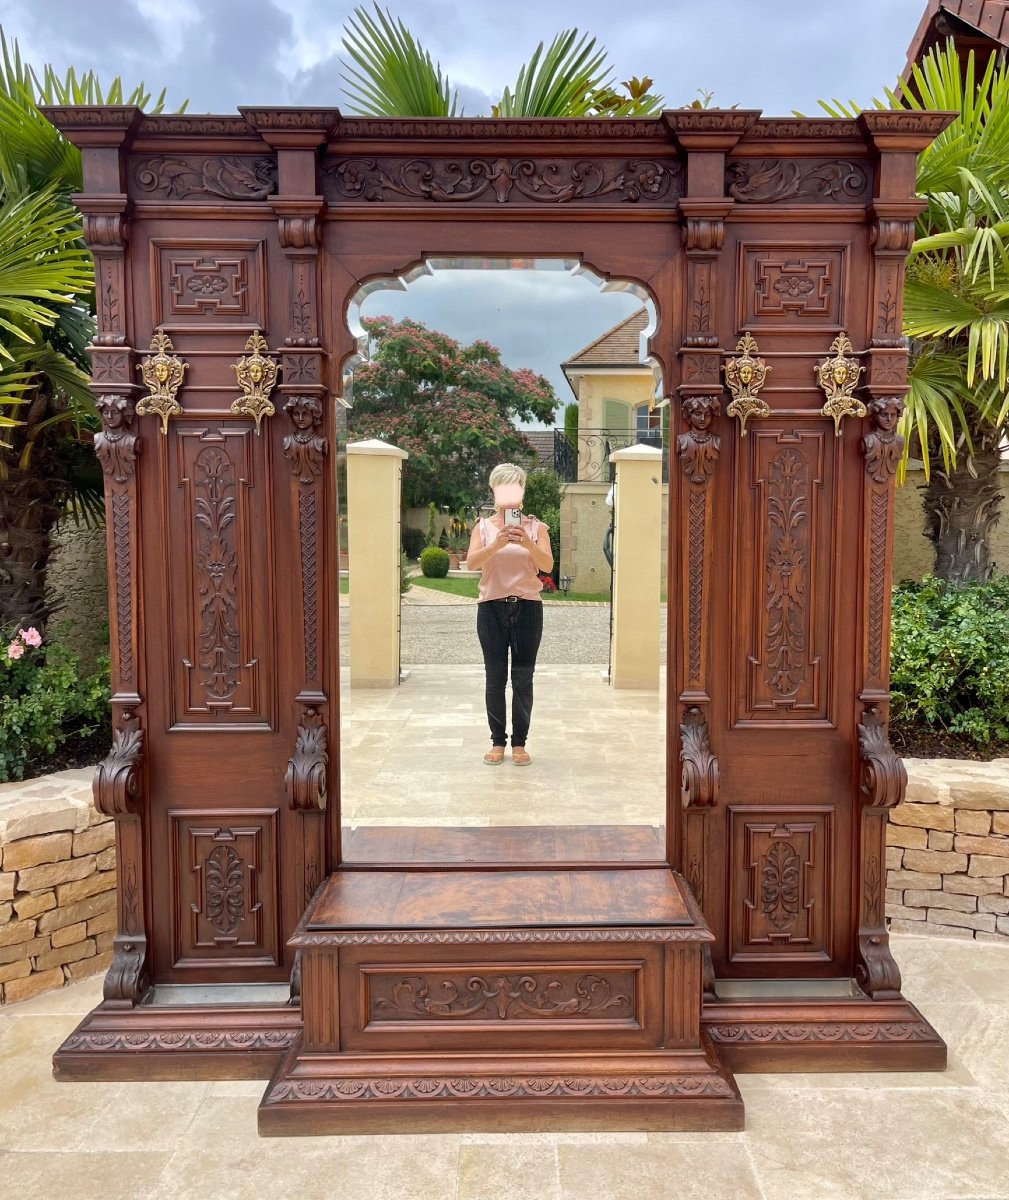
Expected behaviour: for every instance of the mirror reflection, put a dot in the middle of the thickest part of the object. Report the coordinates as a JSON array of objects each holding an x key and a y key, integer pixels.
[{"x": 497, "y": 705}]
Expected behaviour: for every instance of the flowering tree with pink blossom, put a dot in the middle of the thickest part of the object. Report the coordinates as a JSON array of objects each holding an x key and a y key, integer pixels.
[{"x": 452, "y": 408}]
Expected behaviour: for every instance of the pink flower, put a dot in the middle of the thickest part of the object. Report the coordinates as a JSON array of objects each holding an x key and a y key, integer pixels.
[
  {"x": 15, "y": 650},
  {"x": 31, "y": 637}
]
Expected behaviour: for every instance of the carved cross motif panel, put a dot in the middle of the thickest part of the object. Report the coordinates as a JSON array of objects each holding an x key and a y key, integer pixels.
[
  {"x": 226, "y": 904},
  {"x": 780, "y": 881},
  {"x": 792, "y": 287},
  {"x": 214, "y": 286}
]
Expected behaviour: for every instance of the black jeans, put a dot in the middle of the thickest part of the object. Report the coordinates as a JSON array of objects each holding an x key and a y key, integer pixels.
[{"x": 504, "y": 625}]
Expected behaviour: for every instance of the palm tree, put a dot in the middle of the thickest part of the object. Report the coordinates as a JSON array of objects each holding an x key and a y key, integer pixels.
[
  {"x": 392, "y": 75},
  {"x": 956, "y": 305},
  {"x": 47, "y": 414}
]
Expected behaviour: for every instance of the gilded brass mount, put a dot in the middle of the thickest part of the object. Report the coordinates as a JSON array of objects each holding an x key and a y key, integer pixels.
[
  {"x": 162, "y": 373},
  {"x": 838, "y": 376},
  {"x": 257, "y": 376},
  {"x": 745, "y": 377}
]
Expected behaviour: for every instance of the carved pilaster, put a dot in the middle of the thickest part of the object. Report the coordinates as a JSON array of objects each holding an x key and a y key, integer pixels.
[
  {"x": 106, "y": 232},
  {"x": 703, "y": 238},
  {"x": 118, "y": 793},
  {"x": 891, "y": 237}
]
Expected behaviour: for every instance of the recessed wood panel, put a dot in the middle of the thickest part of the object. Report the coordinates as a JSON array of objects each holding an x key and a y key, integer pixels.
[
  {"x": 792, "y": 287},
  {"x": 780, "y": 886},
  {"x": 218, "y": 576},
  {"x": 784, "y": 558},
  {"x": 208, "y": 285},
  {"x": 226, "y": 887}
]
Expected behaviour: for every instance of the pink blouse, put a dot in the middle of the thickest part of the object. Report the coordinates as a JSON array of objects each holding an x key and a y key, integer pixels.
[{"x": 510, "y": 572}]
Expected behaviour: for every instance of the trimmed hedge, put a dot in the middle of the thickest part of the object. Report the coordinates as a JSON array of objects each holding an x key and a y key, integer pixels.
[{"x": 434, "y": 562}]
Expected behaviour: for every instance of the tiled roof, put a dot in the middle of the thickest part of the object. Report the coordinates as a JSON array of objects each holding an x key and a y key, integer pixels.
[
  {"x": 542, "y": 441},
  {"x": 617, "y": 347},
  {"x": 972, "y": 19}
]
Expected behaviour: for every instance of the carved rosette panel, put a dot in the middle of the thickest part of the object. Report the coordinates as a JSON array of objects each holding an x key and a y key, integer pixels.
[
  {"x": 220, "y": 591},
  {"x": 452, "y": 181},
  {"x": 783, "y": 625},
  {"x": 224, "y": 866},
  {"x": 798, "y": 181},
  {"x": 780, "y": 880},
  {"x": 197, "y": 288},
  {"x": 203, "y": 178},
  {"x": 466, "y": 995},
  {"x": 791, "y": 287}
]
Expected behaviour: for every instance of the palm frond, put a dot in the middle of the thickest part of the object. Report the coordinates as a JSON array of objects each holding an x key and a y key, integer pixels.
[
  {"x": 934, "y": 408},
  {"x": 559, "y": 81},
  {"x": 395, "y": 76}
]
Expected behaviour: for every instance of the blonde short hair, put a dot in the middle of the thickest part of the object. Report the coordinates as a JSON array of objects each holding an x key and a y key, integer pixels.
[{"x": 507, "y": 473}]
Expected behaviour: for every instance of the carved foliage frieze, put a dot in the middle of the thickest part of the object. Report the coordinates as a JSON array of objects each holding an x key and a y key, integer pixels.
[
  {"x": 490, "y": 996},
  {"x": 798, "y": 181},
  {"x": 204, "y": 178},
  {"x": 501, "y": 181}
]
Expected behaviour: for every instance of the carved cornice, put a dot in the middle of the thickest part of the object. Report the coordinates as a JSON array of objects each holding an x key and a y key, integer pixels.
[
  {"x": 917, "y": 129},
  {"x": 117, "y": 782},
  {"x": 168, "y": 125},
  {"x": 94, "y": 125},
  {"x": 699, "y": 779},
  {"x": 809, "y": 1031},
  {"x": 461, "y": 128},
  {"x": 321, "y": 121},
  {"x": 804, "y": 128},
  {"x": 305, "y": 780},
  {"x": 714, "y": 129},
  {"x": 884, "y": 779}
]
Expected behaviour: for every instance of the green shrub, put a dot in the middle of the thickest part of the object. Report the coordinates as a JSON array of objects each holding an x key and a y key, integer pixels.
[
  {"x": 413, "y": 541},
  {"x": 443, "y": 539},
  {"x": 543, "y": 491},
  {"x": 434, "y": 562},
  {"x": 950, "y": 658},
  {"x": 432, "y": 524},
  {"x": 404, "y": 573},
  {"x": 45, "y": 702}
]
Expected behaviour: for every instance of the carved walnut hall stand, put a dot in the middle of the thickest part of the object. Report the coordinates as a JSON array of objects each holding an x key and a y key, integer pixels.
[{"x": 554, "y": 977}]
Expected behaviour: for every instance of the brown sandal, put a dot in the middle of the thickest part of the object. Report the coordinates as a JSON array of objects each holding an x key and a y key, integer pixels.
[
  {"x": 494, "y": 757},
  {"x": 520, "y": 757}
]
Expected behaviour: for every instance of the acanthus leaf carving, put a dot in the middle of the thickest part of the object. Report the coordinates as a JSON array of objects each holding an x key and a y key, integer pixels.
[
  {"x": 780, "y": 879},
  {"x": 699, "y": 777},
  {"x": 506, "y": 997},
  {"x": 305, "y": 780},
  {"x": 787, "y": 566},
  {"x": 224, "y": 888},
  {"x": 774, "y": 181},
  {"x": 501, "y": 180},
  {"x": 117, "y": 784},
  {"x": 228, "y": 176},
  {"x": 217, "y": 572},
  {"x": 884, "y": 778}
]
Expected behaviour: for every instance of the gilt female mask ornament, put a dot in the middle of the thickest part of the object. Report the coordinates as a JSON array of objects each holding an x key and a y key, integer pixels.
[
  {"x": 162, "y": 372},
  {"x": 745, "y": 377}
]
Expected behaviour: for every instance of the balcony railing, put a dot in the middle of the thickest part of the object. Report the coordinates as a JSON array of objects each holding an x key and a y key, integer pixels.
[{"x": 586, "y": 459}]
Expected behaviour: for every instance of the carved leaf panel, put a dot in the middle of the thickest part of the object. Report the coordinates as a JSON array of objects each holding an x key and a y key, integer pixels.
[
  {"x": 780, "y": 883},
  {"x": 783, "y": 618},
  {"x": 219, "y": 576},
  {"x": 225, "y": 887}
]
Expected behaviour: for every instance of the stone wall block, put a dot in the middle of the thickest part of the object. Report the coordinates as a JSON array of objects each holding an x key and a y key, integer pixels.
[
  {"x": 994, "y": 904},
  {"x": 1002, "y": 924},
  {"x": 69, "y": 934},
  {"x": 918, "y": 928},
  {"x": 894, "y": 896},
  {"x": 16, "y": 932},
  {"x": 106, "y": 859},
  {"x": 15, "y": 970},
  {"x": 1000, "y": 822},
  {"x": 85, "y": 949},
  {"x": 978, "y": 823},
  {"x": 996, "y": 846},
  {"x": 922, "y": 785},
  {"x": 939, "y": 840},
  {"x": 907, "y": 837},
  {"x": 980, "y": 865},
  {"x": 37, "y": 879},
  {"x": 32, "y": 985},
  {"x": 31, "y": 904},
  {"x": 31, "y": 852},
  {"x": 83, "y": 910},
  {"x": 901, "y": 912},
  {"x": 965, "y": 886},
  {"x": 944, "y": 916},
  {"x": 69, "y": 893},
  {"x": 931, "y": 860},
  {"x": 894, "y": 858},
  {"x": 86, "y": 967},
  {"x": 103, "y": 923},
  {"x": 6, "y": 912},
  {"x": 6, "y": 885},
  {"x": 992, "y": 794},
  {"x": 918, "y": 899},
  {"x": 22, "y": 950},
  {"x": 95, "y": 838},
  {"x": 927, "y": 816},
  {"x": 927, "y": 881}
]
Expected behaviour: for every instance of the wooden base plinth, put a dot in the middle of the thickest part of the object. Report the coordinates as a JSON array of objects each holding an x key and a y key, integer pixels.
[
  {"x": 827, "y": 1035},
  {"x": 501, "y": 1000},
  {"x": 191, "y": 1042}
]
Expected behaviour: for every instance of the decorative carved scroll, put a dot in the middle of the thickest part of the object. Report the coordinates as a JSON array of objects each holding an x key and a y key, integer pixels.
[
  {"x": 884, "y": 779},
  {"x": 501, "y": 180},
  {"x": 698, "y": 448},
  {"x": 883, "y": 447},
  {"x": 699, "y": 780},
  {"x": 305, "y": 780},
  {"x": 228, "y": 176},
  {"x": 162, "y": 374},
  {"x": 116, "y": 447},
  {"x": 117, "y": 785},
  {"x": 504, "y": 997},
  {"x": 257, "y": 375},
  {"x": 745, "y": 376},
  {"x": 776, "y": 181},
  {"x": 838, "y": 376}
]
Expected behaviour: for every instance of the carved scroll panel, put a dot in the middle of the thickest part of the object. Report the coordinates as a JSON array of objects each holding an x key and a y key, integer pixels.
[
  {"x": 783, "y": 617},
  {"x": 780, "y": 883},
  {"x": 225, "y": 879},
  {"x": 218, "y": 576}
]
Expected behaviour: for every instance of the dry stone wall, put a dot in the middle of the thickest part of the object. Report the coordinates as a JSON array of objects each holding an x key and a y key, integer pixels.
[
  {"x": 57, "y": 885},
  {"x": 948, "y": 850}
]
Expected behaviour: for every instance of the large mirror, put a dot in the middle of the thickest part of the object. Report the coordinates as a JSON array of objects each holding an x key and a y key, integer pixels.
[{"x": 465, "y": 365}]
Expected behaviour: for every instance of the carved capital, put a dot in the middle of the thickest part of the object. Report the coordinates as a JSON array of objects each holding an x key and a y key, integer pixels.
[
  {"x": 891, "y": 236},
  {"x": 306, "y": 769},
  {"x": 884, "y": 779},
  {"x": 117, "y": 446},
  {"x": 117, "y": 785},
  {"x": 104, "y": 230},
  {"x": 699, "y": 779},
  {"x": 704, "y": 234},
  {"x": 298, "y": 232}
]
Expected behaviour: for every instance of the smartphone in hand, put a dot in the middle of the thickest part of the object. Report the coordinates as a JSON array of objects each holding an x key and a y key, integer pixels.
[{"x": 512, "y": 517}]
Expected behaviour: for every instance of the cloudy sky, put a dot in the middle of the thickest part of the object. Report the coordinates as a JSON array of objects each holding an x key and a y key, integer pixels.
[{"x": 778, "y": 55}]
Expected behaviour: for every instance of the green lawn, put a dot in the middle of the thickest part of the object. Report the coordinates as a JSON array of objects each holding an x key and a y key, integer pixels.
[{"x": 471, "y": 588}]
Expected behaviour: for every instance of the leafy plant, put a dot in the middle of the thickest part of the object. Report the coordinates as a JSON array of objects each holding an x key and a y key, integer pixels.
[
  {"x": 394, "y": 76},
  {"x": 950, "y": 658},
  {"x": 434, "y": 562},
  {"x": 404, "y": 573},
  {"x": 45, "y": 701},
  {"x": 413, "y": 541},
  {"x": 432, "y": 524}
]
